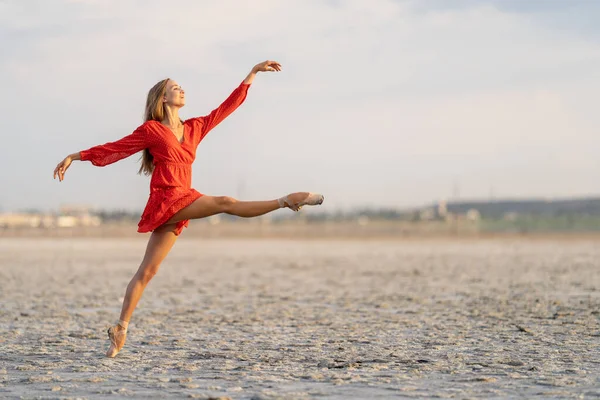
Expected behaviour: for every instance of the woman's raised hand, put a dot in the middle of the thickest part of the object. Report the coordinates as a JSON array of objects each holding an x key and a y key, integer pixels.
[{"x": 267, "y": 66}]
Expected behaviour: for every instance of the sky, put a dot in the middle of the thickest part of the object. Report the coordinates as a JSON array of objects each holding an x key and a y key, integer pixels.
[{"x": 380, "y": 103}]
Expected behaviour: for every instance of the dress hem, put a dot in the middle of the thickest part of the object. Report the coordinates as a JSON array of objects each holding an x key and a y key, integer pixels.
[{"x": 169, "y": 214}]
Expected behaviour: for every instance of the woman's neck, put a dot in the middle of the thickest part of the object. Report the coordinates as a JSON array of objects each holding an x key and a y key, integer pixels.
[{"x": 171, "y": 118}]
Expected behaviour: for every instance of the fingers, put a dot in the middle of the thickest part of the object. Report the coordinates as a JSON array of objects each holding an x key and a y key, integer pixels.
[
  {"x": 60, "y": 172},
  {"x": 271, "y": 66},
  {"x": 274, "y": 66}
]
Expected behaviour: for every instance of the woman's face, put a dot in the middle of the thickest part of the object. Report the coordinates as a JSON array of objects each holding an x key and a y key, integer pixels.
[{"x": 174, "y": 95}]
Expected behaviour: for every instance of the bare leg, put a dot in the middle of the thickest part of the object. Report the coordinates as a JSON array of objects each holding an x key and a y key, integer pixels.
[
  {"x": 160, "y": 243},
  {"x": 206, "y": 206}
]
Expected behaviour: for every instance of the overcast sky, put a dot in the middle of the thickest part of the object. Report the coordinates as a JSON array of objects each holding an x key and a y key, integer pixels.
[{"x": 380, "y": 103}]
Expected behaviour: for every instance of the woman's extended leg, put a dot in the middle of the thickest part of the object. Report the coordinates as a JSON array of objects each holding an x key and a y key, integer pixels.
[
  {"x": 160, "y": 243},
  {"x": 206, "y": 206}
]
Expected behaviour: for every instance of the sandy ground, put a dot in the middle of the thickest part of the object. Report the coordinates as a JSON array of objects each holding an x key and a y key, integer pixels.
[{"x": 327, "y": 319}]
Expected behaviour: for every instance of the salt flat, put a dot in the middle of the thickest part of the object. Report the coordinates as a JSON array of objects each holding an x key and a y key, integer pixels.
[{"x": 330, "y": 319}]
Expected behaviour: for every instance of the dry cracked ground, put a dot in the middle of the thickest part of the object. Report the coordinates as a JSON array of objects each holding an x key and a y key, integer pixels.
[{"x": 328, "y": 319}]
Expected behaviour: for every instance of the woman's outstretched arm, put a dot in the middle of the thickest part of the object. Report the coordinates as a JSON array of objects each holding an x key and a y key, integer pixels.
[
  {"x": 235, "y": 99},
  {"x": 107, "y": 153}
]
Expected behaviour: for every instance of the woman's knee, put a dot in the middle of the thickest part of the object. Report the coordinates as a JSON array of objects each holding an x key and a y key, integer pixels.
[{"x": 225, "y": 203}]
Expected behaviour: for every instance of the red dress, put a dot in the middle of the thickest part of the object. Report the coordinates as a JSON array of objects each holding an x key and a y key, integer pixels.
[{"x": 170, "y": 185}]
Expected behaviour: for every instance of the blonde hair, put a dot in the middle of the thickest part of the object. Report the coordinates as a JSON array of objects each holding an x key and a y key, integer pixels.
[{"x": 155, "y": 111}]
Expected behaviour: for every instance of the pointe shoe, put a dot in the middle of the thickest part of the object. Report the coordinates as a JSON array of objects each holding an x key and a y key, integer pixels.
[
  {"x": 117, "y": 340},
  {"x": 313, "y": 199}
]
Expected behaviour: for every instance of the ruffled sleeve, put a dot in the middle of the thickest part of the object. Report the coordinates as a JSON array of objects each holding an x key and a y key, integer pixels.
[{"x": 112, "y": 152}]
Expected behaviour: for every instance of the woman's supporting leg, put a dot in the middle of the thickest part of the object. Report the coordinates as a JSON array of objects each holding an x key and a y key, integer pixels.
[{"x": 160, "y": 243}]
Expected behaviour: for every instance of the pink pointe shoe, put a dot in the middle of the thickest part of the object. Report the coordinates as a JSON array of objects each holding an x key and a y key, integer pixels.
[{"x": 313, "y": 199}]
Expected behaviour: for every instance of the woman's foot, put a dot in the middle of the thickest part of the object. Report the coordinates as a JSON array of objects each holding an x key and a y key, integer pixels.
[
  {"x": 296, "y": 201},
  {"x": 117, "y": 335}
]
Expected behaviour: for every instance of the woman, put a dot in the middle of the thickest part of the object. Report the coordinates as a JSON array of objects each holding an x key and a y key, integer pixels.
[{"x": 169, "y": 148}]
